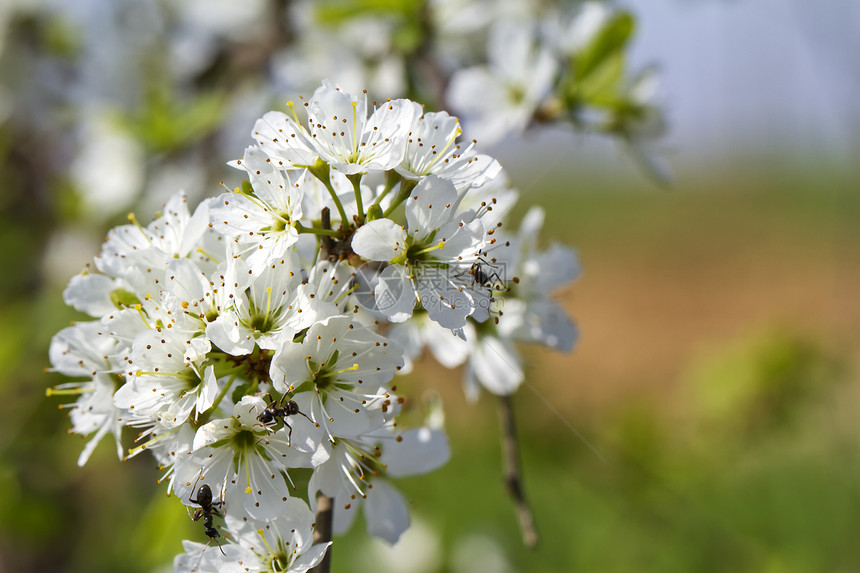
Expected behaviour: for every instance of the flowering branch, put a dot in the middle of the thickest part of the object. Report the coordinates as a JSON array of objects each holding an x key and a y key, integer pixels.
[
  {"x": 240, "y": 353},
  {"x": 513, "y": 475}
]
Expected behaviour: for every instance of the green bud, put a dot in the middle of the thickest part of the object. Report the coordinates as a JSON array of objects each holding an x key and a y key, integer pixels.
[{"x": 374, "y": 212}]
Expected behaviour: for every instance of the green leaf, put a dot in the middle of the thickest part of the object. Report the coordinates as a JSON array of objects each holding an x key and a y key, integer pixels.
[
  {"x": 610, "y": 42},
  {"x": 335, "y": 12},
  {"x": 165, "y": 123},
  {"x": 602, "y": 87}
]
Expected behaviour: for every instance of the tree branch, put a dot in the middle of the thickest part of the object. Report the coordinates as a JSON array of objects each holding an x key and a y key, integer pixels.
[
  {"x": 322, "y": 531},
  {"x": 512, "y": 472}
]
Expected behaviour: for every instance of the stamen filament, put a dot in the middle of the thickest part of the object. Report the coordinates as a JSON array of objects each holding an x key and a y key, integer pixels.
[
  {"x": 176, "y": 375},
  {"x": 136, "y": 450},
  {"x": 438, "y": 156},
  {"x": 345, "y": 294},
  {"x": 208, "y": 256},
  {"x": 293, "y": 111},
  {"x": 139, "y": 308},
  {"x": 57, "y": 391},
  {"x": 440, "y": 245},
  {"x": 261, "y": 533},
  {"x": 133, "y": 220},
  {"x": 354, "y": 126},
  {"x": 247, "y": 476}
]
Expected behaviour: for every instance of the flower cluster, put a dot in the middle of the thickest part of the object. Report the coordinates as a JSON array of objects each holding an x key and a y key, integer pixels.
[{"x": 253, "y": 340}]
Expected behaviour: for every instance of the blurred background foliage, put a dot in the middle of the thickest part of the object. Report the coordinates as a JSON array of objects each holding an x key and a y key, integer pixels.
[{"x": 707, "y": 421}]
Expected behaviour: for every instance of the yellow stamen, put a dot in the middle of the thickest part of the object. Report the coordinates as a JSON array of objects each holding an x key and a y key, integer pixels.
[
  {"x": 353, "y": 367},
  {"x": 207, "y": 255},
  {"x": 247, "y": 476},
  {"x": 261, "y": 532},
  {"x": 67, "y": 391},
  {"x": 293, "y": 110},
  {"x": 440, "y": 245},
  {"x": 341, "y": 297},
  {"x": 167, "y": 374},
  {"x": 133, "y": 220},
  {"x": 354, "y": 124},
  {"x": 139, "y": 308}
]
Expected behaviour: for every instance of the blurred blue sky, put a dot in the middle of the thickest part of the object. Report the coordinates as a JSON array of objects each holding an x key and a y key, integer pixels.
[{"x": 743, "y": 74}]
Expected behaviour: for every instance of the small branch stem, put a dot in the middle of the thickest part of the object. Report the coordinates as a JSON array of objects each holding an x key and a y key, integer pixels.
[
  {"x": 223, "y": 392},
  {"x": 315, "y": 231},
  {"x": 322, "y": 171},
  {"x": 327, "y": 242},
  {"x": 356, "y": 187},
  {"x": 322, "y": 531},
  {"x": 513, "y": 474},
  {"x": 406, "y": 187},
  {"x": 392, "y": 177}
]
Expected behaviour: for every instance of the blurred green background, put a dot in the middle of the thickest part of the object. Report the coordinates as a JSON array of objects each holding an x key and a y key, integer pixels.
[{"x": 716, "y": 375}]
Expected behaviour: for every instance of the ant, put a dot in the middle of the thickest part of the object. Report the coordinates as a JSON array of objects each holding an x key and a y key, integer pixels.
[
  {"x": 480, "y": 277},
  {"x": 207, "y": 509},
  {"x": 491, "y": 281},
  {"x": 278, "y": 410}
]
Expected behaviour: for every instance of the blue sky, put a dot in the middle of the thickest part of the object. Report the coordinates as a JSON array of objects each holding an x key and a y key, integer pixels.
[{"x": 749, "y": 73}]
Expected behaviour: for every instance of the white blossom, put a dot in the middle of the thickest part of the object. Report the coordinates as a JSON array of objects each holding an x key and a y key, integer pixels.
[
  {"x": 81, "y": 351},
  {"x": 282, "y": 544},
  {"x": 502, "y": 97},
  {"x": 432, "y": 149},
  {"x": 240, "y": 456},
  {"x": 265, "y": 220},
  {"x": 338, "y": 373},
  {"x": 428, "y": 257}
]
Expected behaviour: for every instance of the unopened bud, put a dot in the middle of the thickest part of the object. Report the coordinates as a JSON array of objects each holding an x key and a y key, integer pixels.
[{"x": 374, "y": 212}]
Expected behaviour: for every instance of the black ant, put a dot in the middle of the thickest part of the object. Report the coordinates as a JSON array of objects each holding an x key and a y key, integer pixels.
[
  {"x": 278, "y": 411},
  {"x": 491, "y": 281},
  {"x": 207, "y": 509},
  {"x": 481, "y": 277}
]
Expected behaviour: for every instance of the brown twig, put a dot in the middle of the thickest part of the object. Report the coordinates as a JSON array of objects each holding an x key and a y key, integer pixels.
[
  {"x": 327, "y": 242},
  {"x": 513, "y": 474},
  {"x": 322, "y": 531}
]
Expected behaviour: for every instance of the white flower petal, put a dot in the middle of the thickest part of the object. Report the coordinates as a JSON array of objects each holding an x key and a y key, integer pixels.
[
  {"x": 224, "y": 333},
  {"x": 420, "y": 450},
  {"x": 206, "y": 395},
  {"x": 380, "y": 240},
  {"x": 310, "y": 558},
  {"x": 496, "y": 365},
  {"x": 344, "y": 514},
  {"x": 449, "y": 349},
  {"x": 279, "y": 137},
  {"x": 90, "y": 293},
  {"x": 394, "y": 295},
  {"x": 430, "y": 205},
  {"x": 342, "y": 419},
  {"x": 445, "y": 302},
  {"x": 386, "y": 512}
]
